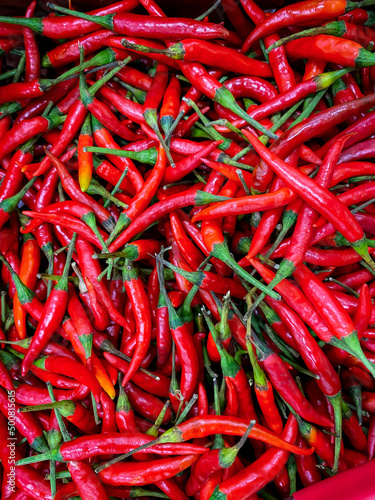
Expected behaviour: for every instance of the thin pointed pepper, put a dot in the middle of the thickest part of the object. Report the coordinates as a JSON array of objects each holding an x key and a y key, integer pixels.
[
  {"x": 141, "y": 308},
  {"x": 204, "y": 52},
  {"x": 170, "y": 105},
  {"x": 29, "y": 268},
  {"x": 52, "y": 315},
  {"x": 263, "y": 389}
]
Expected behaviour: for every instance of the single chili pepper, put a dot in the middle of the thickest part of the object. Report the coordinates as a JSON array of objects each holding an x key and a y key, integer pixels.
[
  {"x": 246, "y": 204},
  {"x": 170, "y": 106},
  {"x": 193, "y": 50},
  {"x": 352, "y": 429},
  {"x": 32, "y": 70},
  {"x": 331, "y": 49},
  {"x": 140, "y": 25},
  {"x": 364, "y": 311},
  {"x": 264, "y": 391},
  {"x": 140, "y": 474},
  {"x": 141, "y": 308},
  {"x": 307, "y": 466},
  {"x": 28, "y": 274},
  {"x": 299, "y": 13},
  {"x": 85, "y": 162},
  {"x": 52, "y": 315}
]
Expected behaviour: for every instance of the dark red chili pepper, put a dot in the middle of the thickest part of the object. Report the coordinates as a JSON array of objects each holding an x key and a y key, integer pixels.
[{"x": 144, "y": 26}]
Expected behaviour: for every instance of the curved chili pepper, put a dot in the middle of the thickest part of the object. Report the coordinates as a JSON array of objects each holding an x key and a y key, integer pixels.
[
  {"x": 146, "y": 404},
  {"x": 298, "y": 13},
  {"x": 307, "y": 466}
]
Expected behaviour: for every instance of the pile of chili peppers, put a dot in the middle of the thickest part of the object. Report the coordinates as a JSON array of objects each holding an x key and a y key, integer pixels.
[{"x": 187, "y": 222}]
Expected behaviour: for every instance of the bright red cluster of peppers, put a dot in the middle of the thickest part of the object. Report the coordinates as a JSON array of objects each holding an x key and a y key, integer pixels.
[{"x": 187, "y": 217}]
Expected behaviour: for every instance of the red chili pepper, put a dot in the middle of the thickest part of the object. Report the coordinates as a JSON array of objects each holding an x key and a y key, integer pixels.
[
  {"x": 140, "y": 25},
  {"x": 141, "y": 308}
]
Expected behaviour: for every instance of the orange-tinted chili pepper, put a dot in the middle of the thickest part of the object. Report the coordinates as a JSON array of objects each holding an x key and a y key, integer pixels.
[{"x": 29, "y": 268}]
